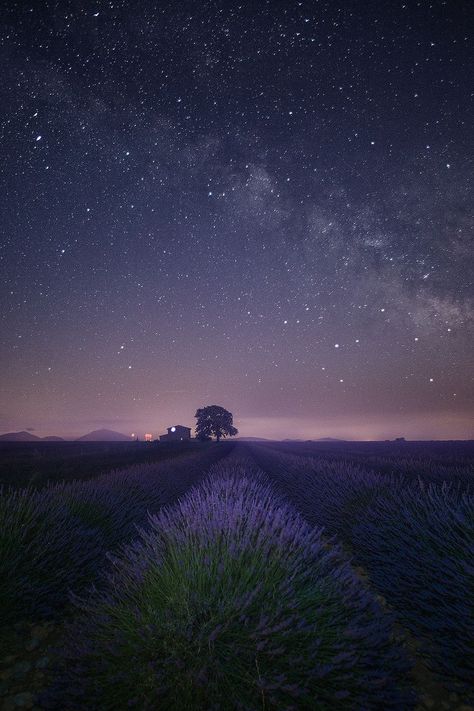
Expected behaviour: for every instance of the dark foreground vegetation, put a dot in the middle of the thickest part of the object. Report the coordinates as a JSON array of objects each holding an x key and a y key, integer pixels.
[{"x": 269, "y": 576}]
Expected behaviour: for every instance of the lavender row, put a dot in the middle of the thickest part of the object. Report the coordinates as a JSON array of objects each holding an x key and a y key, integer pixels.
[
  {"x": 231, "y": 600},
  {"x": 417, "y": 544},
  {"x": 434, "y": 462},
  {"x": 55, "y": 540},
  {"x": 419, "y": 551}
]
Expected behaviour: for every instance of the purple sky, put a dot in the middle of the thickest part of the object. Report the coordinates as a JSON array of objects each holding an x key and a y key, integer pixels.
[{"x": 262, "y": 205}]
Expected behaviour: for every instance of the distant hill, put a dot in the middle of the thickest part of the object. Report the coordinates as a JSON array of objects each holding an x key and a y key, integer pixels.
[
  {"x": 329, "y": 439},
  {"x": 104, "y": 436},
  {"x": 28, "y": 437},
  {"x": 320, "y": 439},
  {"x": 252, "y": 439},
  {"x": 19, "y": 437}
]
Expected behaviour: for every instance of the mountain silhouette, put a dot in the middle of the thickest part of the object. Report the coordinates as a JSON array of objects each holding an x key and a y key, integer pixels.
[
  {"x": 28, "y": 437},
  {"x": 104, "y": 436},
  {"x": 19, "y": 437}
]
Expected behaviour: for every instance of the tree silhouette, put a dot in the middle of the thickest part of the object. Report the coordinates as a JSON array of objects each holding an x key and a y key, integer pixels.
[{"x": 214, "y": 421}]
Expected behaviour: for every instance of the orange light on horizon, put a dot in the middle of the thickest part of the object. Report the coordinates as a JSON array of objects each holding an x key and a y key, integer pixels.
[{"x": 148, "y": 437}]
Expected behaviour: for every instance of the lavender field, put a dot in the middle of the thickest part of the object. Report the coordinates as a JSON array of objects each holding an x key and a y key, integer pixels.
[{"x": 245, "y": 576}]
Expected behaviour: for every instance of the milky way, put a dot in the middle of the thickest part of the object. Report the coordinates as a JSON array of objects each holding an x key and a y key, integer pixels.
[{"x": 263, "y": 205}]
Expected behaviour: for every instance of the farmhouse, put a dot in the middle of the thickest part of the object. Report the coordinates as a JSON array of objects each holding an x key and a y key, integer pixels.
[{"x": 176, "y": 433}]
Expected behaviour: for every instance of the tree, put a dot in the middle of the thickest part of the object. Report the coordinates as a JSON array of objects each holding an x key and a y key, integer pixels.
[{"x": 214, "y": 421}]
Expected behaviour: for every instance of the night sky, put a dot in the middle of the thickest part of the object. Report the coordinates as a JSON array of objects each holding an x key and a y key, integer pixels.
[{"x": 261, "y": 205}]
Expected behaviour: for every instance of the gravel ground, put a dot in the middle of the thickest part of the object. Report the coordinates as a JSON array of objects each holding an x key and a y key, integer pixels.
[{"x": 25, "y": 663}]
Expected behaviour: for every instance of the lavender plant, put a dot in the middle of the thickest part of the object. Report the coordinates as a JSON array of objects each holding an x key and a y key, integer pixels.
[
  {"x": 42, "y": 550},
  {"x": 230, "y": 600},
  {"x": 434, "y": 462},
  {"x": 416, "y": 542},
  {"x": 55, "y": 539},
  {"x": 420, "y": 555},
  {"x": 328, "y": 493}
]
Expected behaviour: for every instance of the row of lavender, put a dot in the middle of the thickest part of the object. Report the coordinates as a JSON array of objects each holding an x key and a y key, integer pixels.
[
  {"x": 431, "y": 461},
  {"x": 55, "y": 540},
  {"x": 231, "y": 600},
  {"x": 416, "y": 542}
]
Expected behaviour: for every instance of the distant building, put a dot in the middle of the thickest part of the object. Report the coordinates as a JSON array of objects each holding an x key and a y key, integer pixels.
[
  {"x": 148, "y": 437},
  {"x": 176, "y": 433}
]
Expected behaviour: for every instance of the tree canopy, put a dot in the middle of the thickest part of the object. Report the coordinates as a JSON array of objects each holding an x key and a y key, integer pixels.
[{"x": 214, "y": 421}]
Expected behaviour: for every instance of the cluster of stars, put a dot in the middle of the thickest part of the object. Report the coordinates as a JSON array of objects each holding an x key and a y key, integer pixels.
[{"x": 235, "y": 196}]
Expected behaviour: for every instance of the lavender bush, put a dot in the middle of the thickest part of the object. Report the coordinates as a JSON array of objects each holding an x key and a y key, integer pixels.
[
  {"x": 416, "y": 542},
  {"x": 420, "y": 555},
  {"x": 434, "y": 462},
  {"x": 54, "y": 540},
  {"x": 42, "y": 550},
  {"x": 230, "y": 600},
  {"x": 328, "y": 493}
]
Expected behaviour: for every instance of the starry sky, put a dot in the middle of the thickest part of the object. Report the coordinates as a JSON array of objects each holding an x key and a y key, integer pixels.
[{"x": 262, "y": 205}]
